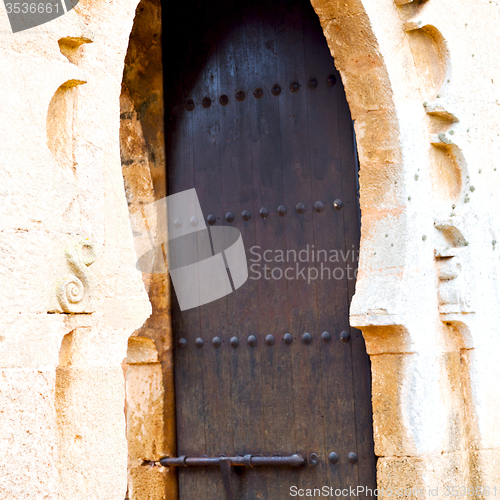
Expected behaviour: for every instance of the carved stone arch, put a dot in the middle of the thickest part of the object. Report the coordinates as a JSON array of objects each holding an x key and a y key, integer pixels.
[
  {"x": 396, "y": 69},
  {"x": 148, "y": 366},
  {"x": 352, "y": 31}
]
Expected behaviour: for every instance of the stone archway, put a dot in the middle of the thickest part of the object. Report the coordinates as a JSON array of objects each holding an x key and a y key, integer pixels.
[
  {"x": 393, "y": 67},
  {"x": 414, "y": 184},
  {"x": 142, "y": 145}
]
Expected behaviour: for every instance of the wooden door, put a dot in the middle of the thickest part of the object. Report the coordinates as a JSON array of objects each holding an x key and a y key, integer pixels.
[{"x": 258, "y": 123}]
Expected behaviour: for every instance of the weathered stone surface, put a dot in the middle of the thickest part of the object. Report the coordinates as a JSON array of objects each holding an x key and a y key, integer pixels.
[
  {"x": 33, "y": 341},
  {"x": 144, "y": 171},
  {"x": 141, "y": 350},
  {"x": 145, "y": 433},
  {"x": 61, "y": 180},
  {"x": 91, "y": 432},
  {"x": 28, "y": 435},
  {"x": 430, "y": 476},
  {"x": 148, "y": 483},
  {"x": 418, "y": 404},
  {"x": 485, "y": 469}
]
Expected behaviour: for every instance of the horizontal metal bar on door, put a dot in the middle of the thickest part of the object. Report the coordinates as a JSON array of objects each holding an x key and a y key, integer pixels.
[{"x": 241, "y": 461}]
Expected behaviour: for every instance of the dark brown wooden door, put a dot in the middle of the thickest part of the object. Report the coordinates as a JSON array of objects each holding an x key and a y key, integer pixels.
[{"x": 258, "y": 123}]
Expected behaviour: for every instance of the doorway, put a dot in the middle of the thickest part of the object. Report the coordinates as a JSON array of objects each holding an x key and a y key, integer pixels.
[{"x": 258, "y": 123}]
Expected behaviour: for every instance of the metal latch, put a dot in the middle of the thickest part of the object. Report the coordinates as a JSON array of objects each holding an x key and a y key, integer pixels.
[
  {"x": 241, "y": 461},
  {"x": 225, "y": 464}
]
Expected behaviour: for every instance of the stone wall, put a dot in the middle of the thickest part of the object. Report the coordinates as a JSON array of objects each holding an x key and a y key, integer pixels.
[
  {"x": 71, "y": 295},
  {"x": 423, "y": 83}
]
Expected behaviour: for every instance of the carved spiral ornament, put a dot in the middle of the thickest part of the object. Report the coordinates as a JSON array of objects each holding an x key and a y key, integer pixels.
[{"x": 73, "y": 290}]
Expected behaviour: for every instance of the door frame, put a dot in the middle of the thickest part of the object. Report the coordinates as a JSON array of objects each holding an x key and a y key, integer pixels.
[{"x": 350, "y": 36}]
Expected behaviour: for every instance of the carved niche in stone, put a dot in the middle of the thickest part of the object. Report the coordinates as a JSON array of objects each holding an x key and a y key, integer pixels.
[{"x": 453, "y": 294}]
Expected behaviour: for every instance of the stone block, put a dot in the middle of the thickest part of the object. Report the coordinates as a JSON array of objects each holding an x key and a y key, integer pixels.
[
  {"x": 148, "y": 483},
  {"x": 429, "y": 476},
  {"x": 393, "y": 339},
  {"x": 91, "y": 432},
  {"x": 327, "y": 9},
  {"x": 145, "y": 408},
  {"x": 418, "y": 405},
  {"x": 141, "y": 350}
]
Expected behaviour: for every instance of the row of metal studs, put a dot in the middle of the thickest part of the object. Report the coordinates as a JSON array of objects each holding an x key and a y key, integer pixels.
[
  {"x": 333, "y": 458},
  {"x": 259, "y": 93},
  {"x": 307, "y": 339},
  {"x": 281, "y": 211},
  {"x": 263, "y": 212}
]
